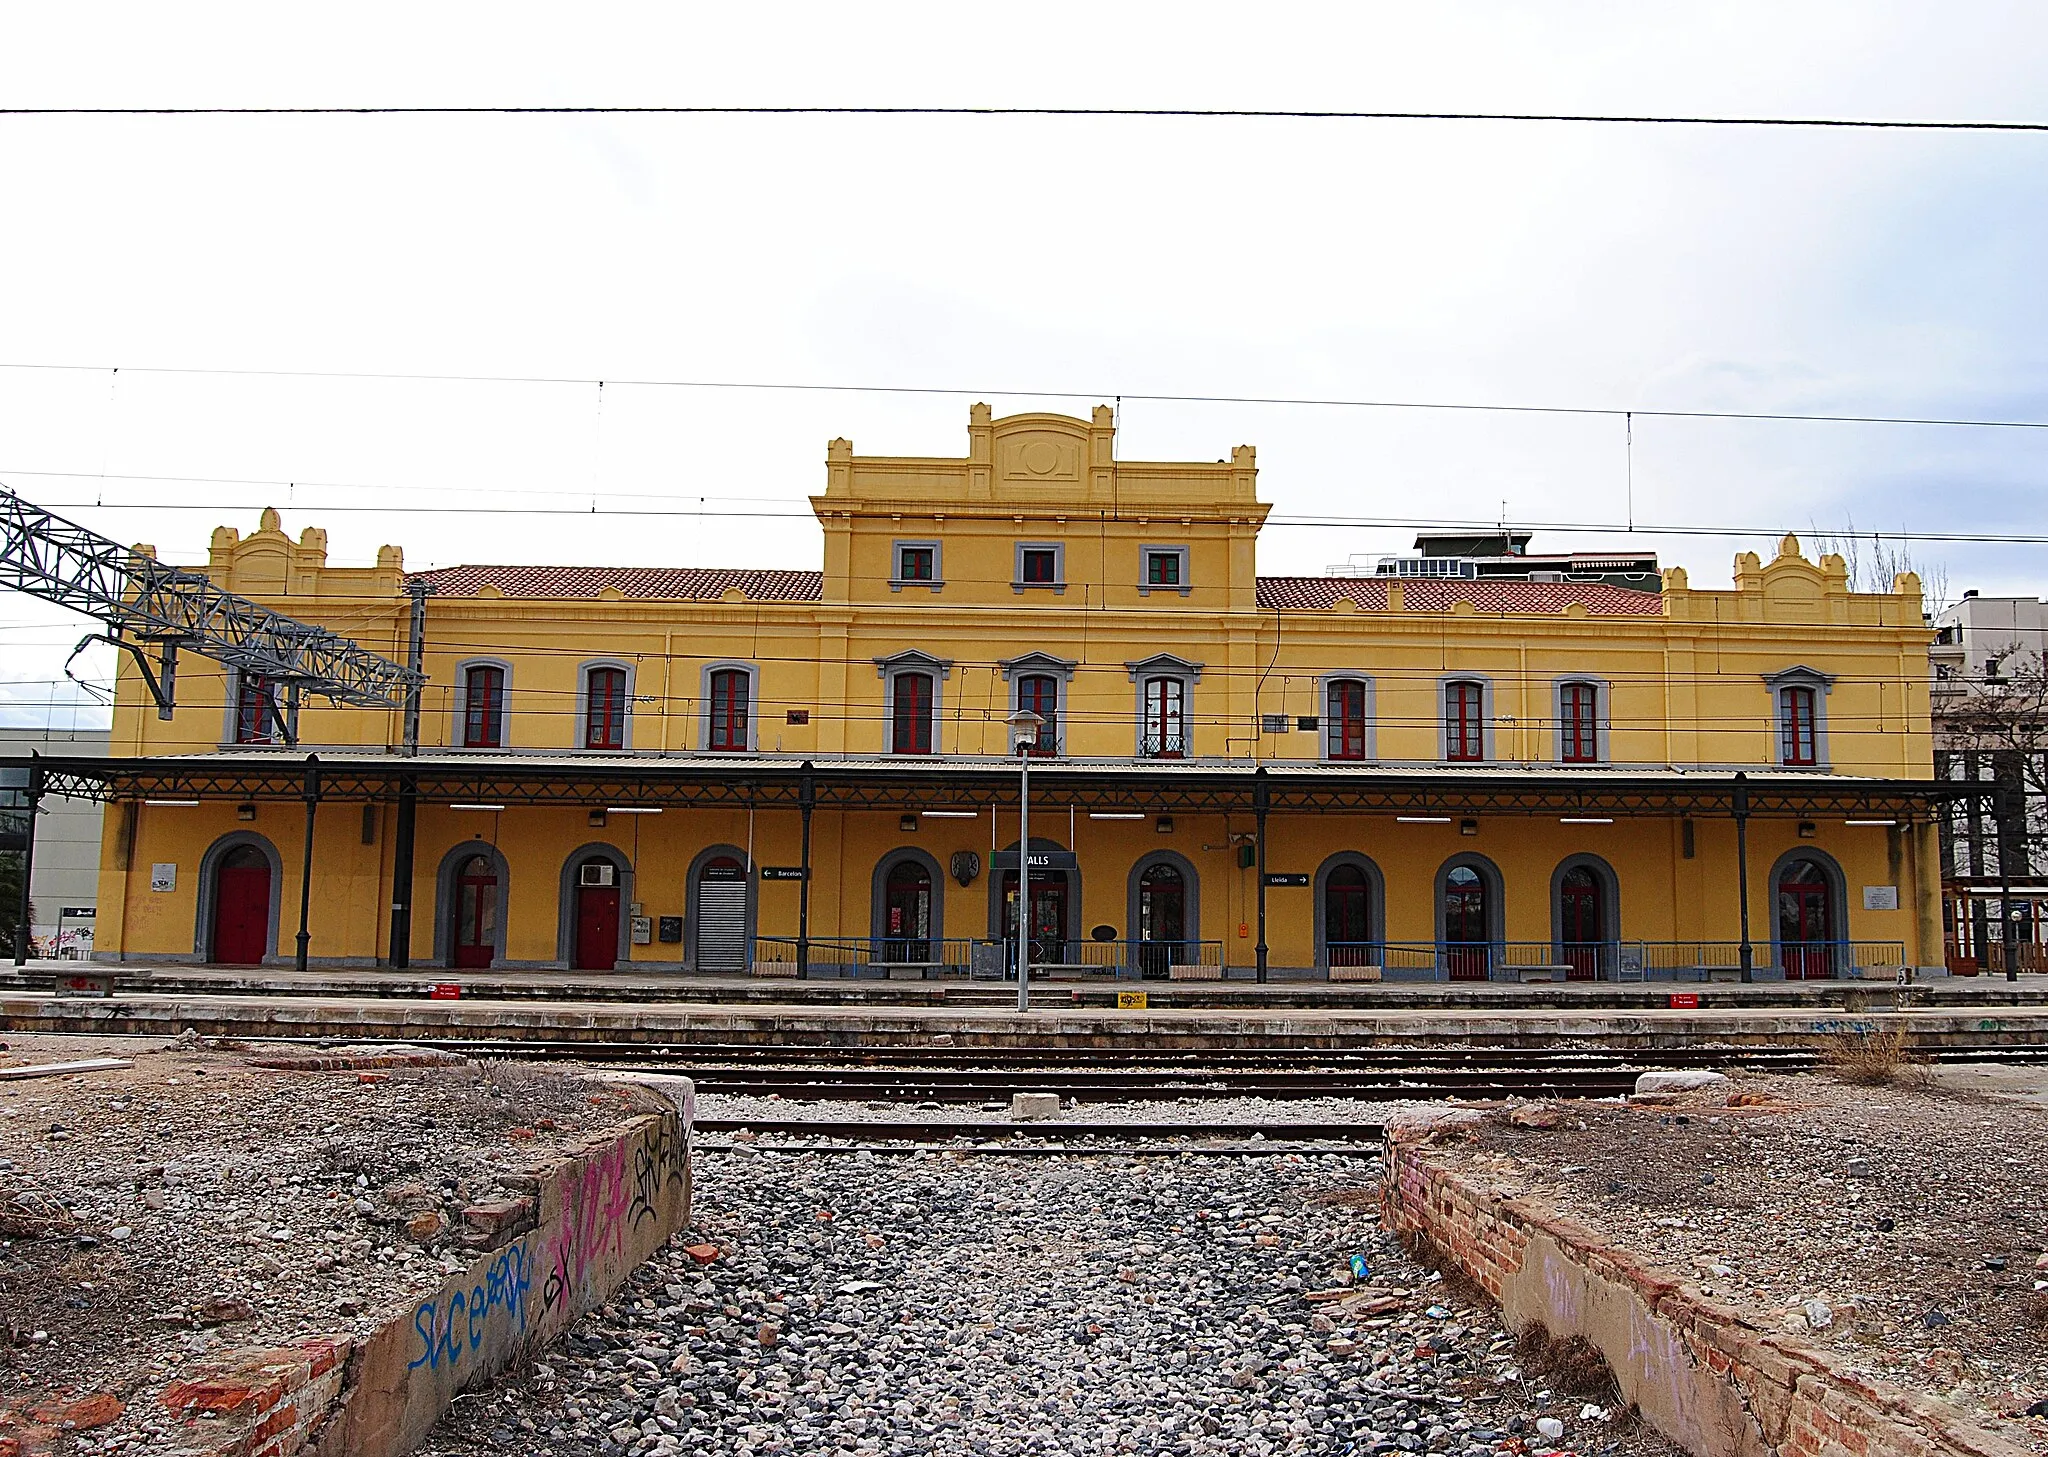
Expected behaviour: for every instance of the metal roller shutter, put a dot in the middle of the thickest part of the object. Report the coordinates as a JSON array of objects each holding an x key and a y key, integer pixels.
[{"x": 722, "y": 925}]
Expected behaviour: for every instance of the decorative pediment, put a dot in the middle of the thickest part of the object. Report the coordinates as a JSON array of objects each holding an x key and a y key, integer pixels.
[
  {"x": 1038, "y": 663},
  {"x": 913, "y": 659},
  {"x": 1800, "y": 676},
  {"x": 1164, "y": 663}
]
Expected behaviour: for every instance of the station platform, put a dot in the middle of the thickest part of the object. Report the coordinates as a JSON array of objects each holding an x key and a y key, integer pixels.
[
  {"x": 555, "y": 1016},
  {"x": 652, "y": 988}
]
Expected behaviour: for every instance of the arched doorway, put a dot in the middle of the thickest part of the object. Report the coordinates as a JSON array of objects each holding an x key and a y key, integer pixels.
[
  {"x": 718, "y": 903},
  {"x": 1806, "y": 920},
  {"x": 907, "y": 913},
  {"x": 1581, "y": 922},
  {"x": 596, "y": 947},
  {"x": 1049, "y": 916},
  {"x": 1347, "y": 917},
  {"x": 1467, "y": 922},
  {"x": 476, "y": 913},
  {"x": 241, "y": 907},
  {"x": 1162, "y": 923}
]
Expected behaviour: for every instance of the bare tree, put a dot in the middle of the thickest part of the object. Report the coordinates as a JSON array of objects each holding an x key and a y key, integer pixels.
[{"x": 1874, "y": 561}]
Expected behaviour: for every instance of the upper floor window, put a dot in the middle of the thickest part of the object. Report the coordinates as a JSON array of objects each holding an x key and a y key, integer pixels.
[
  {"x": 914, "y": 564},
  {"x": 1346, "y": 726},
  {"x": 1798, "y": 734},
  {"x": 1578, "y": 722},
  {"x": 1040, "y": 564},
  {"x": 1465, "y": 721},
  {"x": 256, "y": 715},
  {"x": 483, "y": 707},
  {"x": 731, "y": 689},
  {"x": 1164, "y": 734},
  {"x": 1039, "y": 693},
  {"x": 604, "y": 711},
  {"x": 1163, "y": 569},
  {"x": 910, "y": 719}
]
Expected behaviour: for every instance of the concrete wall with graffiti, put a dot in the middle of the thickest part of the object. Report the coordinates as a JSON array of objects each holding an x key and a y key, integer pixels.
[{"x": 599, "y": 1214}]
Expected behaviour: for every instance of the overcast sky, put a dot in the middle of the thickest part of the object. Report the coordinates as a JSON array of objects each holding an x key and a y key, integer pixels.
[{"x": 1456, "y": 262}]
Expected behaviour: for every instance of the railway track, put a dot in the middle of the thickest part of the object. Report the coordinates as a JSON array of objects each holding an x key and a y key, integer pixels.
[
  {"x": 1264, "y": 1136},
  {"x": 956, "y": 1085}
]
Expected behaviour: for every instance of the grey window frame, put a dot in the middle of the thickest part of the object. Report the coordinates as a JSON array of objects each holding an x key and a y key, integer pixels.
[
  {"x": 1145, "y": 553},
  {"x": 1822, "y": 684},
  {"x": 579, "y": 733},
  {"x": 1602, "y": 720},
  {"x": 459, "y": 721},
  {"x": 1372, "y": 746},
  {"x": 897, "y": 581},
  {"x": 911, "y": 660},
  {"x": 1057, "y": 586},
  {"x": 1443, "y": 717},
  {"x": 729, "y": 665}
]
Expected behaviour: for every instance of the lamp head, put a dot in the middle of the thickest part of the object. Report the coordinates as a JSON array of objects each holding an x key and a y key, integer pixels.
[{"x": 1024, "y": 725}]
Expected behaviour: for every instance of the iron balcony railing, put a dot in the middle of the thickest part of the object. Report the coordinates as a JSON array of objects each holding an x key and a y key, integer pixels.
[{"x": 1163, "y": 746}]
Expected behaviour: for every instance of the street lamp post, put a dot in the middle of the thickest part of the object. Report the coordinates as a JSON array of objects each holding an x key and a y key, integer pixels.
[{"x": 1024, "y": 734}]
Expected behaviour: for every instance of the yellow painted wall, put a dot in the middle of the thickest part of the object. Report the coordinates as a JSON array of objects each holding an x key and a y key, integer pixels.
[{"x": 1685, "y": 687}]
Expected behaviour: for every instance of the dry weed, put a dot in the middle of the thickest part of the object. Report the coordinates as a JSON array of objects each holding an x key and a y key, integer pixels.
[
  {"x": 26, "y": 1214},
  {"x": 1573, "y": 1364},
  {"x": 1874, "y": 1057},
  {"x": 1362, "y": 1198}
]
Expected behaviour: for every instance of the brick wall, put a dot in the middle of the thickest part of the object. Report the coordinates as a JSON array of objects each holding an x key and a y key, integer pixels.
[{"x": 1697, "y": 1369}]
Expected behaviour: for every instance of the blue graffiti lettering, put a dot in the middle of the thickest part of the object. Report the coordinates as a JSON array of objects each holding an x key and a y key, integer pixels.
[{"x": 440, "y": 1323}]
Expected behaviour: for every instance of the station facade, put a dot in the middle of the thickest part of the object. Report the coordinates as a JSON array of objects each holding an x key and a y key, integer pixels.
[{"x": 734, "y": 771}]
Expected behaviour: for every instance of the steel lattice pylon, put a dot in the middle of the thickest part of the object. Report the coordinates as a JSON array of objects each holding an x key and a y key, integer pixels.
[{"x": 142, "y": 601}]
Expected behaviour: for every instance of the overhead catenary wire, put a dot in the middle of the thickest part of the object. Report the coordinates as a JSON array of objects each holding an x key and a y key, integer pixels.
[{"x": 1161, "y": 113}]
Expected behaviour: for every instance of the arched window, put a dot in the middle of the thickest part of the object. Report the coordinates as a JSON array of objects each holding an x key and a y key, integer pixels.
[
  {"x": 1039, "y": 693},
  {"x": 730, "y": 706},
  {"x": 910, "y": 728},
  {"x": 1467, "y": 920},
  {"x": 1346, "y": 723},
  {"x": 483, "y": 707},
  {"x": 476, "y": 913},
  {"x": 1162, "y": 917},
  {"x": 1347, "y": 917},
  {"x": 1806, "y": 920},
  {"x": 256, "y": 713},
  {"x": 1164, "y": 732},
  {"x": 604, "y": 713},
  {"x": 1798, "y": 738},
  {"x": 907, "y": 913},
  {"x": 1578, "y": 723},
  {"x": 1581, "y": 921},
  {"x": 1465, "y": 721}
]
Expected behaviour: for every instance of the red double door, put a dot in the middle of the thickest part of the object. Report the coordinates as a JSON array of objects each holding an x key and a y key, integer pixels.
[{"x": 241, "y": 908}]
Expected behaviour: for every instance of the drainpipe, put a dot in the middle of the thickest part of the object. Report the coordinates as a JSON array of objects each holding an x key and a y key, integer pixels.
[{"x": 1261, "y": 800}]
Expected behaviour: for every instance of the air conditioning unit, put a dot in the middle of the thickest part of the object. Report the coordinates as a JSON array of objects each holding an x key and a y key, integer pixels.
[{"x": 596, "y": 872}]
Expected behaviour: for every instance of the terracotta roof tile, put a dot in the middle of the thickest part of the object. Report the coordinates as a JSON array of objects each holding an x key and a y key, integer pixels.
[
  {"x": 1436, "y": 594},
  {"x": 701, "y": 584}
]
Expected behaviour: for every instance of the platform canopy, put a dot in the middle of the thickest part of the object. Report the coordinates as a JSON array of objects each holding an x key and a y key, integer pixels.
[{"x": 909, "y": 785}]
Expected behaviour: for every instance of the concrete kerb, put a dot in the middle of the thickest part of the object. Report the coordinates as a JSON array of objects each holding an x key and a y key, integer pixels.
[
  {"x": 1697, "y": 1370},
  {"x": 595, "y": 1215}
]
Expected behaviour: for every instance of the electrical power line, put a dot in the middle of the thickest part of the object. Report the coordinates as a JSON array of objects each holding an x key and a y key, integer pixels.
[
  {"x": 1614, "y": 412},
  {"x": 1174, "y": 113}
]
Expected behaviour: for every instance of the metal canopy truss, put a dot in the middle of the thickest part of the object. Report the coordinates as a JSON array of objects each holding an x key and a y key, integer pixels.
[
  {"x": 146, "y": 604},
  {"x": 899, "y": 786}
]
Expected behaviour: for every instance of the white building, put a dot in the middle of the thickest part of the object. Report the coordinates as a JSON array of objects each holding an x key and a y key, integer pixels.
[{"x": 67, "y": 870}]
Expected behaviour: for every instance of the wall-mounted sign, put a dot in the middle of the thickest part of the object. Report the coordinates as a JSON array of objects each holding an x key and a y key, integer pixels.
[
  {"x": 1289, "y": 877},
  {"x": 782, "y": 872},
  {"x": 1131, "y": 1001},
  {"x": 1040, "y": 860},
  {"x": 1880, "y": 897},
  {"x": 163, "y": 875},
  {"x": 77, "y": 913}
]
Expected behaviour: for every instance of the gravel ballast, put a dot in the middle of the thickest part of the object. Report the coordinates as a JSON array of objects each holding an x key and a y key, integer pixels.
[{"x": 941, "y": 1302}]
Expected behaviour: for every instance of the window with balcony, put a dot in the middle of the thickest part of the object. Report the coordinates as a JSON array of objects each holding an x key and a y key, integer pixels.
[
  {"x": 483, "y": 706},
  {"x": 604, "y": 708},
  {"x": 1039, "y": 693},
  {"x": 1164, "y": 733},
  {"x": 730, "y": 707},
  {"x": 1798, "y": 733},
  {"x": 1345, "y": 726},
  {"x": 910, "y": 718},
  {"x": 1578, "y": 723},
  {"x": 256, "y": 711},
  {"x": 1465, "y": 721}
]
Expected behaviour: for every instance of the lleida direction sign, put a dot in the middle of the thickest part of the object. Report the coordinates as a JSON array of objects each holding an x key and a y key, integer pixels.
[
  {"x": 782, "y": 872},
  {"x": 1289, "y": 877}
]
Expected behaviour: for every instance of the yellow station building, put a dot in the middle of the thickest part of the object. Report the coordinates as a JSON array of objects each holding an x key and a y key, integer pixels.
[{"x": 760, "y": 771}]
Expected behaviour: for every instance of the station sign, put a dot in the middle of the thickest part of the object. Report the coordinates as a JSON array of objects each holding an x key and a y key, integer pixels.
[
  {"x": 77, "y": 913},
  {"x": 1131, "y": 1001},
  {"x": 1040, "y": 860},
  {"x": 1288, "y": 877},
  {"x": 782, "y": 872}
]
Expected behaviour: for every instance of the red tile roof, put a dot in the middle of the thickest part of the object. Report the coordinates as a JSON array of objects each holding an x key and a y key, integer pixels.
[
  {"x": 702, "y": 584},
  {"x": 709, "y": 584},
  {"x": 1436, "y": 594}
]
